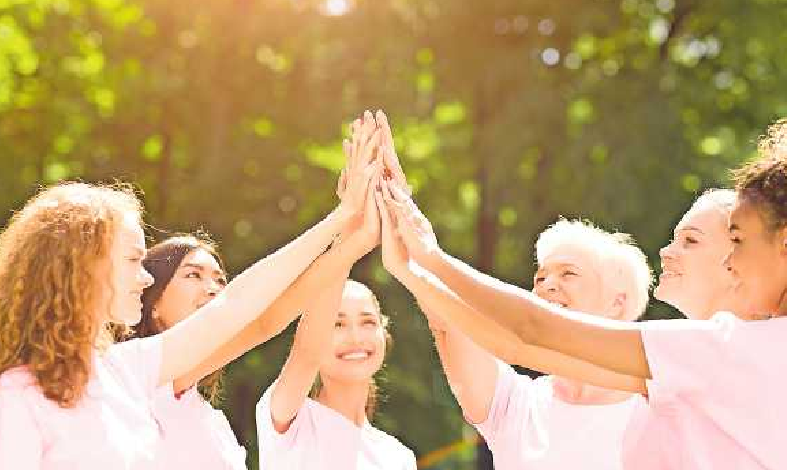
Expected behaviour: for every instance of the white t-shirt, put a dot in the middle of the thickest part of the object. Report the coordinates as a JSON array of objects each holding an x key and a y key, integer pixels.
[
  {"x": 111, "y": 427},
  {"x": 529, "y": 428},
  {"x": 196, "y": 435},
  {"x": 322, "y": 438},
  {"x": 717, "y": 400}
]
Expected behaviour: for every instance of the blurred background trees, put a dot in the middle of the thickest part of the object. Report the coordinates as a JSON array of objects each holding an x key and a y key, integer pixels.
[{"x": 507, "y": 113}]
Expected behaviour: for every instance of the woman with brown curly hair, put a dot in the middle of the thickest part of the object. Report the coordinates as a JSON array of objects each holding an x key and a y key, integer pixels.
[{"x": 70, "y": 264}]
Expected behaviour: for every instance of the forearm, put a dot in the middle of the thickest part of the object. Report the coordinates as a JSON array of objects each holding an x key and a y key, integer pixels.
[
  {"x": 191, "y": 341},
  {"x": 312, "y": 342},
  {"x": 592, "y": 353},
  {"x": 471, "y": 371},
  {"x": 486, "y": 294}
]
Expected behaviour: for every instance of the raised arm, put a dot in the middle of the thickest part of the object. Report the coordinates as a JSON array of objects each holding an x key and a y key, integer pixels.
[
  {"x": 315, "y": 330},
  {"x": 325, "y": 269},
  {"x": 192, "y": 341},
  {"x": 482, "y": 322},
  {"x": 312, "y": 342},
  {"x": 471, "y": 371}
]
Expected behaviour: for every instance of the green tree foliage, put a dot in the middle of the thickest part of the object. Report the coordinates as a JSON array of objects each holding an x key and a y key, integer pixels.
[{"x": 229, "y": 116}]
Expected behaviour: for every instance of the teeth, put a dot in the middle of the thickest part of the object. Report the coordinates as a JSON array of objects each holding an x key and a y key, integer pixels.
[{"x": 354, "y": 356}]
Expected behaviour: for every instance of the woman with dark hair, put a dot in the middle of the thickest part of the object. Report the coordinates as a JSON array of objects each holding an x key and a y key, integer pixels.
[{"x": 187, "y": 274}]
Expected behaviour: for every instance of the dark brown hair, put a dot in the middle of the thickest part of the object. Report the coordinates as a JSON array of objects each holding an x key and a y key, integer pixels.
[
  {"x": 162, "y": 261},
  {"x": 374, "y": 397},
  {"x": 763, "y": 182}
]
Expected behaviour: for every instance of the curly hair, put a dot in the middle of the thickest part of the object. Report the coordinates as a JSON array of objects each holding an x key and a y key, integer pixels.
[
  {"x": 374, "y": 397},
  {"x": 763, "y": 181},
  {"x": 161, "y": 261},
  {"x": 54, "y": 256}
]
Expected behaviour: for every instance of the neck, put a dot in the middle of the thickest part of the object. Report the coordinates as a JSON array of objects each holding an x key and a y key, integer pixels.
[
  {"x": 347, "y": 398},
  {"x": 571, "y": 391}
]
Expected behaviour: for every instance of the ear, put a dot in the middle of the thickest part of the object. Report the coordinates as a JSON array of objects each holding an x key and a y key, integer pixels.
[{"x": 782, "y": 238}]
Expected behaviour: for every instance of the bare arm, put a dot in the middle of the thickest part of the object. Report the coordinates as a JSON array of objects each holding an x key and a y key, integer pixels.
[
  {"x": 609, "y": 344},
  {"x": 281, "y": 313},
  {"x": 312, "y": 341},
  {"x": 470, "y": 370},
  {"x": 480, "y": 318},
  {"x": 193, "y": 340},
  {"x": 361, "y": 238}
]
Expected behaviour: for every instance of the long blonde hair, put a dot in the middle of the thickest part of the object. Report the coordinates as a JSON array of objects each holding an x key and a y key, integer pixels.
[{"x": 54, "y": 264}]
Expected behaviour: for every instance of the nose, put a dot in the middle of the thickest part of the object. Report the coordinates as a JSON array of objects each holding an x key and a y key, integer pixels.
[
  {"x": 146, "y": 278},
  {"x": 549, "y": 283},
  {"x": 213, "y": 287},
  {"x": 727, "y": 261},
  {"x": 666, "y": 252}
]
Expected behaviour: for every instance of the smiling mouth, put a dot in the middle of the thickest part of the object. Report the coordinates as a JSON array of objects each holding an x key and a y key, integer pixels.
[
  {"x": 355, "y": 355},
  {"x": 558, "y": 303}
]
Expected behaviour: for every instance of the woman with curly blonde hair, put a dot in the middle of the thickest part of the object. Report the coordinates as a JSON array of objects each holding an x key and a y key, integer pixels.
[{"x": 71, "y": 264}]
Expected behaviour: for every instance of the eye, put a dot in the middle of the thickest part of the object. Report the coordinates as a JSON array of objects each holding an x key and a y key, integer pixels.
[
  {"x": 691, "y": 240},
  {"x": 569, "y": 273},
  {"x": 540, "y": 279},
  {"x": 222, "y": 281},
  {"x": 369, "y": 322},
  {"x": 736, "y": 240},
  {"x": 338, "y": 324},
  {"x": 193, "y": 275}
]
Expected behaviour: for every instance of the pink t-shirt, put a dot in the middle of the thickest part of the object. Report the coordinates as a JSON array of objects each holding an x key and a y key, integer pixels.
[
  {"x": 529, "y": 428},
  {"x": 111, "y": 427},
  {"x": 718, "y": 397},
  {"x": 321, "y": 438},
  {"x": 196, "y": 435}
]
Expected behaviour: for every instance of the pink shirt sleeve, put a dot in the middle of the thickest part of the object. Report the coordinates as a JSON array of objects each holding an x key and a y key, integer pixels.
[
  {"x": 21, "y": 442},
  {"x": 139, "y": 360},
  {"x": 512, "y": 426},
  {"x": 271, "y": 440}
]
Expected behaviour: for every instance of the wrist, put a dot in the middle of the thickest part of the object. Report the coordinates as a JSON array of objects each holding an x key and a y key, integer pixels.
[
  {"x": 340, "y": 216},
  {"x": 432, "y": 259}
]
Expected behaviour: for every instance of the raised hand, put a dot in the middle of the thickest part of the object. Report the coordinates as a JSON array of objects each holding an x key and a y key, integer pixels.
[
  {"x": 394, "y": 252},
  {"x": 412, "y": 225},
  {"x": 363, "y": 233},
  {"x": 355, "y": 178},
  {"x": 393, "y": 168}
]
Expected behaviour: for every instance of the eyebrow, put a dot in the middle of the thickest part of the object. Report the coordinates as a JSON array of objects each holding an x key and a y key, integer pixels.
[
  {"x": 690, "y": 228},
  {"x": 560, "y": 265},
  {"x": 365, "y": 314},
  {"x": 202, "y": 268}
]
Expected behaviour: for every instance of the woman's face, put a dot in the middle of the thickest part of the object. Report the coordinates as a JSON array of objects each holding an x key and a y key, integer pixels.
[
  {"x": 196, "y": 282},
  {"x": 693, "y": 277},
  {"x": 758, "y": 259},
  {"x": 570, "y": 277},
  {"x": 128, "y": 276},
  {"x": 358, "y": 346}
]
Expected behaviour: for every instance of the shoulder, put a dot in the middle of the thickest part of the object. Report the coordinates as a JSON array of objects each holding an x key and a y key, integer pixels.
[
  {"x": 17, "y": 378},
  {"x": 391, "y": 444}
]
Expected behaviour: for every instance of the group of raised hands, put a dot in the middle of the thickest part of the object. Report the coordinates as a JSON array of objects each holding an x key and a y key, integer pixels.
[{"x": 374, "y": 185}]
